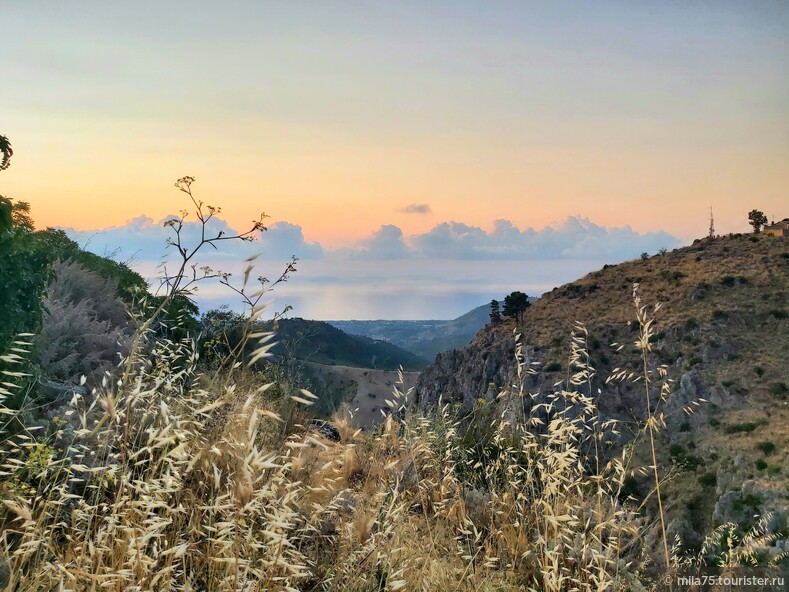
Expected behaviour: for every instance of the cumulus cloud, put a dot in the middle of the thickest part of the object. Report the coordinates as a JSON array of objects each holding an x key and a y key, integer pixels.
[
  {"x": 435, "y": 274},
  {"x": 416, "y": 209},
  {"x": 145, "y": 240},
  {"x": 388, "y": 242},
  {"x": 575, "y": 238}
]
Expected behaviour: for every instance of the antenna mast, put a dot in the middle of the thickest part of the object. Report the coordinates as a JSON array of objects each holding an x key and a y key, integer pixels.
[{"x": 712, "y": 225}]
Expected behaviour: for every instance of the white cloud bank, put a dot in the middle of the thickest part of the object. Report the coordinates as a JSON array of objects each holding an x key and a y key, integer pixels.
[{"x": 437, "y": 274}]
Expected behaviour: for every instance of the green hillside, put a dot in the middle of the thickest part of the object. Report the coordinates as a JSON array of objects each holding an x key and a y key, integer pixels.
[
  {"x": 425, "y": 338},
  {"x": 320, "y": 342}
]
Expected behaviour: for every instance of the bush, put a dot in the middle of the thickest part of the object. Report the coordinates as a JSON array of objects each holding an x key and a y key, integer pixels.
[
  {"x": 779, "y": 314},
  {"x": 766, "y": 447},
  {"x": 744, "y": 427},
  {"x": 708, "y": 480},
  {"x": 86, "y": 326},
  {"x": 778, "y": 389},
  {"x": 553, "y": 367},
  {"x": 25, "y": 273}
]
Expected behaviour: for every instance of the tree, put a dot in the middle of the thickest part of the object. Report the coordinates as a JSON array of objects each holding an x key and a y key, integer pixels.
[
  {"x": 25, "y": 271},
  {"x": 515, "y": 304},
  {"x": 757, "y": 219},
  {"x": 6, "y": 152},
  {"x": 495, "y": 312}
]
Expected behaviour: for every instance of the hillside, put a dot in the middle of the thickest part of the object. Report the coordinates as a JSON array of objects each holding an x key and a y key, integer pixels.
[
  {"x": 317, "y": 341},
  {"x": 423, "y": 338},
  {"x": 723, "y": 335}
]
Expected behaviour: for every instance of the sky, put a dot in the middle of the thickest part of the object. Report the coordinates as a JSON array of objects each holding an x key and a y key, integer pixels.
[{"x": 420, "y": 157}]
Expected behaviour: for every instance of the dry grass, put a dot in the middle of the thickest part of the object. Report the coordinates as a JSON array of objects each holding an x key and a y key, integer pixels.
[{"x": 174, "y": 481}]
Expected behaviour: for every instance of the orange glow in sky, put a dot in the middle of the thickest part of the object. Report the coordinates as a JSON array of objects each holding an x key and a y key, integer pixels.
[{"x": 336, "y": 118}]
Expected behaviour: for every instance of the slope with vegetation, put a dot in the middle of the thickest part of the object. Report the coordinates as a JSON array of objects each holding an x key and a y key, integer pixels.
[
  {"x": 424, "y": 338},
  {"x": 721, "y": 335},
  {"x": 321, "y": 342}
]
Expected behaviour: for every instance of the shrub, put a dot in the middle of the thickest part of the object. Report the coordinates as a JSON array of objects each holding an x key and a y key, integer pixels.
[
  {"x": 759, "y": 371},
  {"x": 744, "y": 427},
  {"x": 630, "y": 489},
  {"x": 672, "y": 276},
  {"x": 766, "y": 447},
  {"x": 778, "y": 389},
  {"x": 779, "y": 313},
  {"x": 553, "y": 367},
  {"x": 760, "y": 464},
  {"x": 728, "y": 281},
  {"x": 747, "y": 501},
  {"x": 691, "y": 324},
  {"x": 708, "y": 480},
  {"x": 86, "y": 326}
]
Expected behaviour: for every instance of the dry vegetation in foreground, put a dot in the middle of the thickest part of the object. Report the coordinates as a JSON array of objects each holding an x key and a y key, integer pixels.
[
  {"x": 168, "y": 487},
  {"x": 172, "y": 480}
]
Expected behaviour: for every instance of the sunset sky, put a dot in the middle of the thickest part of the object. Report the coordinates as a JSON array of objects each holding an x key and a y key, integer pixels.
[{"x": 365, "y": 129}]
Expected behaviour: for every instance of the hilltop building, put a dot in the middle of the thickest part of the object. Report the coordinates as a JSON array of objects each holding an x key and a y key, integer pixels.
[{"x": 777, "y": 228}]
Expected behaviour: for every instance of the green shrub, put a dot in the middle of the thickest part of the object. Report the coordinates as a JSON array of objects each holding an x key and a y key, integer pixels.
[
  {"x": 672, "y": 276},
  {"x": 778, "y": 389},
  {"x": 630, "y": 488},
  {"x": 747, "y": 501},
  {"x": 719, "y": 314},
  {"x": 745, "y": 427},
  {"x": 759, "y": 371},
  {"x": 553, "y": 367},
  {"x": 773, "y": 470},
  {"x": 708, "y": 480},
  {"x": 760, "y": 464},
  {"x": 676, "y": 450},
  {"x": 779, "y": 313},
  {"x": 766, "y": 447}
]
